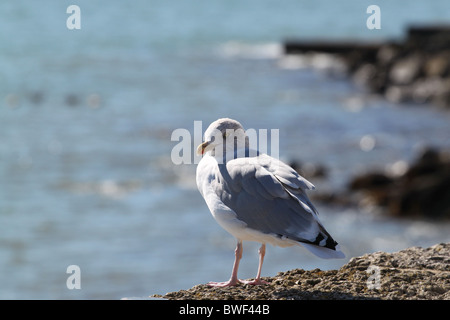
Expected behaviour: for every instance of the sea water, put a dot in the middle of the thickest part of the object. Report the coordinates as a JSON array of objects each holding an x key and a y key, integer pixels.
[{"x": 86, "y": 118}]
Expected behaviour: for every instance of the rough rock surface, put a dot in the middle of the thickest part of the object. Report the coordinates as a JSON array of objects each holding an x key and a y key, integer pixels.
[{"x": 413, "y": 273}]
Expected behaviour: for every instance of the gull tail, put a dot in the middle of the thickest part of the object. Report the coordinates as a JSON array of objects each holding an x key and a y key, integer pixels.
[
  {"x": 324, "y": 245},
  {"x": 324, "y": 252}
]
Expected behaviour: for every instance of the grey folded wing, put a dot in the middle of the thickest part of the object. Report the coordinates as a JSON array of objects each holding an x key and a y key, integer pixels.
[{"x": 269, "y": 196}]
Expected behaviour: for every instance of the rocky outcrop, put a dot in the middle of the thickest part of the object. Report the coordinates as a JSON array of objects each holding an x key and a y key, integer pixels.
[
  {"x": 423, "y": 190},
  {"x": 415, "y": 70},
  {"x": 413, "y": 273}
]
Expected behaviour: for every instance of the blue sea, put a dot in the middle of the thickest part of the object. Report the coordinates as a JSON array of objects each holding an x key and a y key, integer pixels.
[{"x": 86, "y": 117}]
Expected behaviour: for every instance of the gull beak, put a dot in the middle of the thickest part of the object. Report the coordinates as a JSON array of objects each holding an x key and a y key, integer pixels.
[{"x": 205, "y": 146}]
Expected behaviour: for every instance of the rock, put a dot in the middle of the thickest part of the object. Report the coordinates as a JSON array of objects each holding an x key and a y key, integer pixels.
[
  {"x": 398, "y": 94},
  {"x": 372, "y": 181},
  {"x": 415, "y": 70},
  {"x": 365, "y": 74},
  {"x": 334, "y": 47},
  {"x": 309, "y": 170},
  {"x": 438, "y": 65},
  {"x": 428, "y": 162},
  {"x": 424, "y": 90},
  {"x": 410, "y": 274},
  {"x": 432, "y": 38},
  {"x": 422, "y": 190},
  {"x": 341, "y": 198},
  {"x": 388, "y": 53},
  {"x": 406, "y": 70},
  {"x": 425, "y": 188}
]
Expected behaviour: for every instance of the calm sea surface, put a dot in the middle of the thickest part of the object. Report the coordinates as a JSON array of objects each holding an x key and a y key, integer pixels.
[{"x": 86, "y": 118}]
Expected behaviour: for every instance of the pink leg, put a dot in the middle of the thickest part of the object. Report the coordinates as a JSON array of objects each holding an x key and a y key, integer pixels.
[
  {"x": 234, "y": 279},
  {"x": 258, "y": 281}
]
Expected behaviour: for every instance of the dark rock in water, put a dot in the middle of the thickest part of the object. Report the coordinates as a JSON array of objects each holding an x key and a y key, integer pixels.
[
  {"x": 423, "y": 190},
  {"x": 425, "y": 187},
  {"x": 429, "y": 162},
  {"x": 334, "y": 47},
  {"x": 432, "y": 38},
  {"x": 375, "y": 184},
  {"x": 430, "y": 197},
  {"x": 416, "y": 70},
  {"x": 438, "y": 65},
  {"x": 339, "y": 199},
  {"x": 406, "y": 70},
  {"x": 371, "y": 181},
  {"x": 309, "y": 170},
  {"x": 429, "y": 89}
]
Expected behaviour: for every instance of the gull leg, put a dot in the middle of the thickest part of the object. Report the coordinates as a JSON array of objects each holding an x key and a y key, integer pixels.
[
  {"x": 258, "y": 281},
  {"x": 234, "y": 279}
]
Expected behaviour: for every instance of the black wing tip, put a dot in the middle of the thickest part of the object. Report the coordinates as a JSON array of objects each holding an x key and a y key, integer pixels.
[{"x": 330, "y": 243}]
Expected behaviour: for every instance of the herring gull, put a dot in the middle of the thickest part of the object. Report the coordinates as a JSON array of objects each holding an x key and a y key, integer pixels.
[{"x": 256, "y": 197}]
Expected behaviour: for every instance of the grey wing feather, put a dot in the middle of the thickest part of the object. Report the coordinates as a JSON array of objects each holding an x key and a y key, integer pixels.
[
  {"x": 287, "y": 175},
  {"x": 269, "y": 196},
  {"x": 293, "y": 183}
]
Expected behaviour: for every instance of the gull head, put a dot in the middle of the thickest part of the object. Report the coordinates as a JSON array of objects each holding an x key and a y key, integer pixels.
[{"x": 223, "y": 135}]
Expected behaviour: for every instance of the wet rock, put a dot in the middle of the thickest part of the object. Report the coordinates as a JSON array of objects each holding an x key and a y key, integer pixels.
[
  {"x": 365, "y": 74},
  {"x": 341, "y": 199},
  {"x": 415, "y": 70},
  {"x": 438, "y": 65},
  {"x": 387, "y": 54},
  {"x": 423, "y": 190},
  {"x": 426, "y": 89},
  {"x": 309, "y": 170},
  {"x": 398, "y": 94},
  {"x": 406, "y": 70},
  {"x": 433, "y": 38},
  {"x": 410, "y": 274},
  {"x": 371, "y": 181},
  {"x": 363, "y": 50}
]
